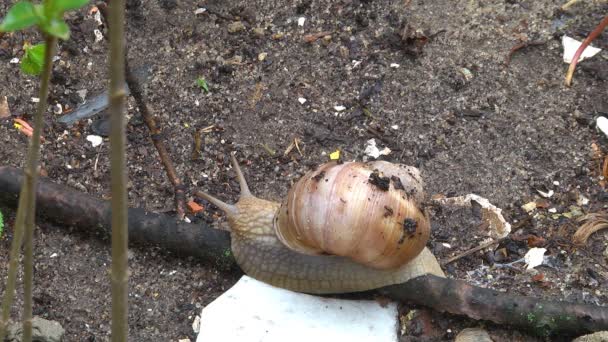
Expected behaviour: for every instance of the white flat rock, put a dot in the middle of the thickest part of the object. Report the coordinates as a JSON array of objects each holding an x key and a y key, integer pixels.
[{"x": 255, "y": 311}]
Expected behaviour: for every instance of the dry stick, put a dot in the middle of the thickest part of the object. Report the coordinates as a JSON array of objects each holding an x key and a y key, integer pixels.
[
  {"x": 69, "y": 207},
  {"x": 470, "y": 251},
  {"x": 156, "y": 135},
  {"x": 27, "y": 206},
  {"x": 596, "y": 32},
  {"x": 155, "y": 132},
  {"x": 117, "y": 96},
  {"x": 537, "y": 316},
  {"x": 519, "y": 47}
]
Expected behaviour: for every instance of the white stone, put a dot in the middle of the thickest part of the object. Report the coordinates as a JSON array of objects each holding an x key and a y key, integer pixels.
[
  {"x": 95, "y": 140},
  {"x": 301, "y": 100},
  {"x": 301, "y": 21},
  {"x": 255, "y": 311},
  {"x": 602, "y": 124}
]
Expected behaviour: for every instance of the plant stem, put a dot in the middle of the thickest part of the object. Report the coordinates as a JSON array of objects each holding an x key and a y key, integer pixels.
[
  {"x": 594, "y": 34},
  {"x": 27, "y": 205},
  {"x": 120, "y": 327}
]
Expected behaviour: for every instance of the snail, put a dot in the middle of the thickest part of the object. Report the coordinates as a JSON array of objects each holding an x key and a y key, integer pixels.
[{"x": 344, "y": 227}]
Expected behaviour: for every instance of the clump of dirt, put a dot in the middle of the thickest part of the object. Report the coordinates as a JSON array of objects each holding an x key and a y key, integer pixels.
[{"x": 425, "y": 78}]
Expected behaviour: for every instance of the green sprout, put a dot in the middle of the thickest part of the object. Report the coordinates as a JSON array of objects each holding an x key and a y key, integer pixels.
[
  {"x": 1, "y": 224},
  {"x": 33, "y": 59},
  {"x": 202, "y": 83}
]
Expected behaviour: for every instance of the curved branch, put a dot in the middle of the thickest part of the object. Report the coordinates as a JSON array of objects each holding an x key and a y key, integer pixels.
[{"x": 65, "y": 206}]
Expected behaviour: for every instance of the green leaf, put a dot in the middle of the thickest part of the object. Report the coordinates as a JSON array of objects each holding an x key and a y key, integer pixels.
[
  {"x": 33, "y": 60},
  {"x": 202, "y": 83},
  {"x": 56, "y": 27},
  {"x": 56, "y": 8},
  {"x": 66, "y": 5},
  {"x": 22, "y": 15}
]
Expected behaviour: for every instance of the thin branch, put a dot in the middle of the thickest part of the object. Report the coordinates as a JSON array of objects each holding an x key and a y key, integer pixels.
[
  {"x": 120, "y": 277},
  {"x": 27, "y": 205},
  {"x": 519, "y": 47},
  {"x": 470, "y": 251},
  {"x": 155, "y": 132}
]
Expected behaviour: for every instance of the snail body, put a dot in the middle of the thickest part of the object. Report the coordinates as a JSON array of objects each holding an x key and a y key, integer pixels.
[{"x": 344, "y": 227}]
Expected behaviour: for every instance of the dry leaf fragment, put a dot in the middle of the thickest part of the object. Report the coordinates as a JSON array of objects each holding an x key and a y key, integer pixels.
[
  {"x": 536, "y": 241},
  {"x": 4, "y": 110},
  {"x": 592, "y": 223},
  {"x": 194, "y": 207},
  {"x": 309, "y": 38}
]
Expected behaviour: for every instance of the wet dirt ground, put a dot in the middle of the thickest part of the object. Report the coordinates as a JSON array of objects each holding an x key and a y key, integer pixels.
[{"x": 427, "y": 79}]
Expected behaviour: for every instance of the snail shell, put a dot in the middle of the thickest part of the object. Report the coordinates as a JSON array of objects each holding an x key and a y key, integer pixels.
[
  {"x": 342, "y": 228},
  {"x": 368, "y": 212}
]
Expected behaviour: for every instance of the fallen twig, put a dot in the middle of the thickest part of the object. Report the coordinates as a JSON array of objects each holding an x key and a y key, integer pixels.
[
  {"x": 470, "y": 251},
  {"x": 542, "y": 317},
  {"x": 68, "y": 207},
  {"x": 596, "y": 32},
  {"x": 539, "y": 317},
  {"x": 155, "y": 132},
  {"x": 519, "y": 47}
]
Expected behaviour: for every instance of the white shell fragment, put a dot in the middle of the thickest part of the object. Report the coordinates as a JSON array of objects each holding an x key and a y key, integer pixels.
[
  {"x": 545, "y": 194},
  {"x": 301, "y": 21},
  {"x": 570, "y": 47},
  {"x": 498, "y": 227},
  {"x": 339, "y": 108},
  {"x": 255, "y": 311},
  {"x": 602, "y": 124},
  {"x": 372, "y": 150},
  {"x": 95, "y": 140},
  {"x": 301, "y": 100},
  {"x": 98, "y": 35},
  {"x": 534, "y": 257}
]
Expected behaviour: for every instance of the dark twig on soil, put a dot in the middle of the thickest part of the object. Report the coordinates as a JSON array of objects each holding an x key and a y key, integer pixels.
[
  {"x": 542, "y": 317},
  {"x": 519, "y": 47},
  {"x": 470, "y": 251},
  {"x": 155, "y": 132},
  {"x": 594, "y": 34},
  {"x": 539, "y": 317},
  {"x": 68, "y": 207}
]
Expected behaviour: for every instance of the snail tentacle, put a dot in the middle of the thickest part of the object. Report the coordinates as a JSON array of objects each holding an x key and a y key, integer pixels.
[
  {"x": 239, "y": 175},
  {"x": 229, "y": 209}
]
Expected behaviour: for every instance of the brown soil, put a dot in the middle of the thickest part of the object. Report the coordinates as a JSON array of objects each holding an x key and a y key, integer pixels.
[{"x": 453, "y": 108}]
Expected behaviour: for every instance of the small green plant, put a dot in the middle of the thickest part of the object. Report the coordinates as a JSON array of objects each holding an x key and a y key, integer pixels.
[
  {"x": 33, "y": 59},
  {"x": 48, "y": 18},
  {"x": 202, "y": 83}
]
